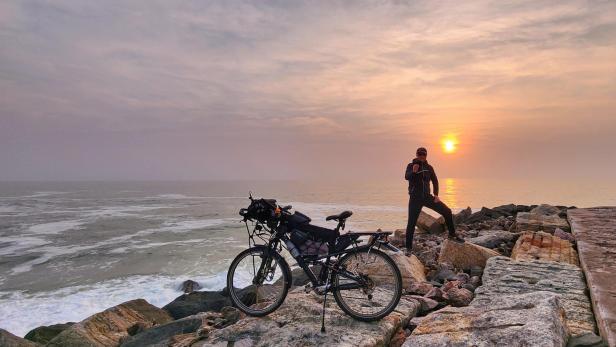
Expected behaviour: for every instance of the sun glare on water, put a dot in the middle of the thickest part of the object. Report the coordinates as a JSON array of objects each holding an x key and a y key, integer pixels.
[{"x": 449, "y": 145}]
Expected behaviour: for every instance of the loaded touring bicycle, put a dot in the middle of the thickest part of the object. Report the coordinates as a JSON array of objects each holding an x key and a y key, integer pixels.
[{"x": 364, "y": 280}]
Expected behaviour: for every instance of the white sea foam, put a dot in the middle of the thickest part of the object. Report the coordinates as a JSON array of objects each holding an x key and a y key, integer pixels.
[
  {"x": 182, "y": 196},
  {"x": 120, "y": 211},
  {"x": 22, "y": 312},
  {"x": 56, "y": 227},
  {"x": 18, "y": 244},
  {"x": 188, "y": 225}
]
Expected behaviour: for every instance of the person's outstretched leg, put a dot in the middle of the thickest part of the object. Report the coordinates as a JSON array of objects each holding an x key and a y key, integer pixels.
[
  {"x": 444, "y": 211},
  {"x": 414, "y": 210}
]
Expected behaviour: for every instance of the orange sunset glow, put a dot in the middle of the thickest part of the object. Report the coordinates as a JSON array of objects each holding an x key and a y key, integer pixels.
[{"x": 201, "y": 91}]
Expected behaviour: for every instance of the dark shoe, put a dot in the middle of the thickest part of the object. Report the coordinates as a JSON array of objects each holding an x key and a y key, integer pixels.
[
  {"x": 408, "y": 253},
  {"x": 456, "y": 238}
]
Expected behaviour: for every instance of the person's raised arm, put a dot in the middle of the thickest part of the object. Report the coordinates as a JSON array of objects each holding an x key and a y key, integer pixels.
[{"x": 409, "y": 172}]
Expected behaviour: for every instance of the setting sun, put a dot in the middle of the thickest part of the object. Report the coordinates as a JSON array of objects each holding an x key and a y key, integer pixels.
[{"x": 449, "y": 145}]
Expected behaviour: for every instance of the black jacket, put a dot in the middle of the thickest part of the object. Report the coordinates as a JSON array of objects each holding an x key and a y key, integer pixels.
[{"x": 419, "y": 182}]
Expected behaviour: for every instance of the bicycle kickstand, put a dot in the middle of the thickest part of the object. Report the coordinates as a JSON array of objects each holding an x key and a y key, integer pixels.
[{"x": 324, "y": 301}]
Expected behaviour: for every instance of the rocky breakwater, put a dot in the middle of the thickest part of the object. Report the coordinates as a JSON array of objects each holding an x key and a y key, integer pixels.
[
  {"x": 454, "y": 295},
  {"x": 540, "y": 299}
]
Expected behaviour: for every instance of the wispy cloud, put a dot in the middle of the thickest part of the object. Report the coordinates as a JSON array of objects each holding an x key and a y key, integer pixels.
[{"x": 200, "y": 79}]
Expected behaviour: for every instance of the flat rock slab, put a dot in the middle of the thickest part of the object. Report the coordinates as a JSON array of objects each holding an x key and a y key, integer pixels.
[
  {"x": 465, "y": 255},
  {"x": 503, "y": 276},
  {"x": 544, "y": 246},
  {"x": 595, "y": 232},
  {"x": 298, "y": 322},
  {"x": 531, "y": 221},
  {"x": 532, "y": 319}
]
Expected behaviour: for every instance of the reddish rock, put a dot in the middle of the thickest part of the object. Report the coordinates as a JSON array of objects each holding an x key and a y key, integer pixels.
[
  {"x": 459, "y": 297},
  {"x": 543, "y": 246}
]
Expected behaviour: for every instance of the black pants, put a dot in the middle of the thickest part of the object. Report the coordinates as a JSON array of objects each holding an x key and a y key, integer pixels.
[{"x": 415, "y": 205}]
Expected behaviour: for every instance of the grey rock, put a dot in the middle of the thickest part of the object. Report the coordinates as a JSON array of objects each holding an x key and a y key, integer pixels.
[
  {"x": 462, "y": 278},
  {"x": 44, "y": 334},
  {"x": 587, "y": 340},
  {"x": 503, "y": 276},
  {"x": 160, "y": 335},
  {"x": 533, "y": 319},
  {"x": 529, "y": 221},
  {"x": 462, "y": 216},
  {"x": 445, "y": 275},
  {"x": 492, "y": 238},
  {"x": 469, "y": 287},
  {"x": 297, "y": 323},
  {"x": 435, "y": 294},
  {"x": 193, "y": 303},
  {"x": 546, "y": 210},
  {"x": 9, "y": 340},
  {"x": 563, "y": 235},
  {"x": 190, "y": 286},
  {"x": 476, "y": 271}
]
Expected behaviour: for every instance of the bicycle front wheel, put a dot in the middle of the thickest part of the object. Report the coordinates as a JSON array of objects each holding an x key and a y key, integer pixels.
[
  {"x": 258, "y": 281},
  {"x": 380, "y": 289}
]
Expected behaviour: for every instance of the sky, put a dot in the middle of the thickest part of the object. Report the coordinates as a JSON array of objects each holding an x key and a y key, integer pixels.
[{"x": 190, "y": 90}]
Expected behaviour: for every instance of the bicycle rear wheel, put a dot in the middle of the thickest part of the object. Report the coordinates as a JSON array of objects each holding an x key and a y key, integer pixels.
[
  {"x": 382, "y": 288},
  {"x": 258, "y": 281}
]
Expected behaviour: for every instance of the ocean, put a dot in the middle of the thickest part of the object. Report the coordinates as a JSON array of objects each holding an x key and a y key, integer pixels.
[{"x": 71, "y": 249}]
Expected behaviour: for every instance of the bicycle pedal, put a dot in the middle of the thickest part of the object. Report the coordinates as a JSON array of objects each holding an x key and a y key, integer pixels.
[{"x": 322, "y": 289}]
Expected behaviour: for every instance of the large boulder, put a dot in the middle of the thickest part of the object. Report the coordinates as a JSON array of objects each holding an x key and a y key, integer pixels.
[
  {"x": 44, "y": 334},
  {"x": 110, "y": 327},
  {"x": 543, "y": 246},
  {"x": 298, "y": 322},
  {"x": 545, "y": 210},
  {"x": 9, "y": 340},
  {"x": 411, "y": 269},
  {"x": 462, "y": 216},
  {"x": 465, "y": 255},
  {"x": 429, "y": 224},
  {"x": 195, "y": 302},
  {"x": 530, "y": 221},
  {"x": 534, "y": 319},
  {"x": 162, "y": 335},
  {"x": 492, "y": 238},
  {"x": 504, "y": 276}
]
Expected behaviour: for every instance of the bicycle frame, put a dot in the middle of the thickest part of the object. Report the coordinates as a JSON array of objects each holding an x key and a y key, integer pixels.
[{"x": 273, "y": 239}]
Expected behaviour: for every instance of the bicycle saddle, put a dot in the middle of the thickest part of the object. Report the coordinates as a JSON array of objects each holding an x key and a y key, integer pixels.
[{"x": 341, "y": 216}]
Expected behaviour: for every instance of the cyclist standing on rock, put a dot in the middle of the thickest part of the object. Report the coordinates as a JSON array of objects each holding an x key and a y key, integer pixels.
[{"x": 419, "y": 174}]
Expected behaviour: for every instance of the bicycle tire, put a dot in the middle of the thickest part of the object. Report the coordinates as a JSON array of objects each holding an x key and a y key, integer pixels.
[
  {"x": 392, "y": 304},
  {"x": 233, "y": 291}
]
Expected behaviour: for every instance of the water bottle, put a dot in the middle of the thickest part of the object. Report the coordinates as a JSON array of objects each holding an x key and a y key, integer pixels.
[{"x": 292, "y": 249}]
